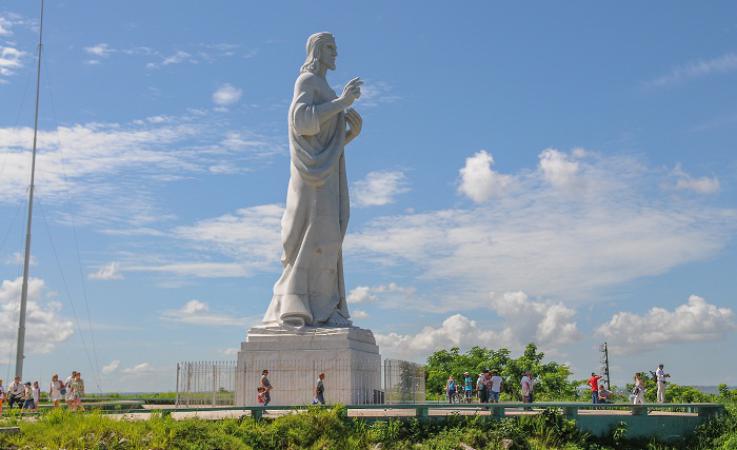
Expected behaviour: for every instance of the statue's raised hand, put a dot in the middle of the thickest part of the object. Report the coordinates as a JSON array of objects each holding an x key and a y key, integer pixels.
[{"x": 351, "y": 91}]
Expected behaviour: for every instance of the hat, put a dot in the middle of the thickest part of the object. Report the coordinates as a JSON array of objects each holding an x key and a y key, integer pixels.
[{"x": 465, "y": 373}]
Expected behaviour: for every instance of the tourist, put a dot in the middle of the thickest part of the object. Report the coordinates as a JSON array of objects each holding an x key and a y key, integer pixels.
[
  {"x": 266, "y": 384},
  {"x": 261, "y": 396},
  {"x": 496, "y": 387},
  {"x": 638, "y": 392},
  {"x": 67, "y": 389},
  {"x": 467, "y": 387},
  {"x": 527, "y": 384},
  {"x": 487, "y": 385},
  {"x": 2, "y": 397},
  {"x": 450, "y": 389},
  {"x": 481, "y": 388},
  {"x": 77, "y": 391},
  {"x": 594, "y": 383},
  {"x": 660, "y": 377},
  {"x": 15, "y": 393},
  {"x": 484, "y": 391},
  {"x": 28, "y": 404},
  {"x": 36, "y": 393},
  {"x": 320, "y": 390},
  {"x": 55, "y": 390}
]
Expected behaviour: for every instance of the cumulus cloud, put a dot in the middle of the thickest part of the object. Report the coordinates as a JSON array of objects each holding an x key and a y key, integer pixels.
[
  {"x": 697, "y": 69},
  {"x": 110, "y": 368},
  {"x": 477, "y": 179},
  {"x": 226, "y": 95},
  {"x": 694, "y": 321},
  {"x": 548, "y": 324},
  {"x": 379, "y": 188},
  {"x": 358, "y": 314},
  {"x": 45, "y": 327},
  {"x": 386, "y": 292},
  {"x": 139, "y": 369},
  {"x": 109, "y": 271},
  {"x": 195, "y": 312},
  {"x": 544, "y": 240},
  {"x": 11, "y": 59},
  {"x": 558, "y": 168},
  {"x": 700, "y": 185}
]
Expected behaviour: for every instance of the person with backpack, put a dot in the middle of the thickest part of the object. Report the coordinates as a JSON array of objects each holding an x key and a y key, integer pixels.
[
  {"x": 450, "y": 389},
  {"x": 638, "y": 392},
  {"x": 467, "y": 387}
]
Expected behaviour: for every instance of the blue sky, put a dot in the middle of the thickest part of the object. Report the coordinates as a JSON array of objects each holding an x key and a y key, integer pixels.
[{"x": 558, "y": 174}]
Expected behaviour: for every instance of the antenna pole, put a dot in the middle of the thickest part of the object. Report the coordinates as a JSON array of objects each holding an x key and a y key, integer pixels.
[{"x": 19, "y": 354}]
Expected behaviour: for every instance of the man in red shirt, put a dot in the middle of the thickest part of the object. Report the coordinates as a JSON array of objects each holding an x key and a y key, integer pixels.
[{"x": 594, "y": 383}]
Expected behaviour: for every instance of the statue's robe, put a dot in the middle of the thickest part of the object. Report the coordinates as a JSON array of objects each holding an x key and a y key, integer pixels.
[{"x": 311, "y": 288}]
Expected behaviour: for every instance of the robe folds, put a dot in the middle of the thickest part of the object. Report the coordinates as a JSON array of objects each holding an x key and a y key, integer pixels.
[{"x": 311, "y": 289}]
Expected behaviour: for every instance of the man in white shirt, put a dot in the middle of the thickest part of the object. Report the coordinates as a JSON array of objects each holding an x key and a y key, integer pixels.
[
  {"x": 660, "y": 377},
  {"x": 15, "y": 393},
  {"x": 527, "y": 385},
  {"x": 496, "y": 387}
]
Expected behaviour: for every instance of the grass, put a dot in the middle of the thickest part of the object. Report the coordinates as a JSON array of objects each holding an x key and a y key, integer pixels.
[{"x": 331, "y": 429}]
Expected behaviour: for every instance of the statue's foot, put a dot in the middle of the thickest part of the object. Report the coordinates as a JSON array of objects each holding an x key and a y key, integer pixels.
[
  {"x": 293, "y": 322},
  {"x": 337, "y": 320}
]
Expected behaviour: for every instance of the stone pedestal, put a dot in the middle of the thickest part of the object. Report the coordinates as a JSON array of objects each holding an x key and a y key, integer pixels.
[{"x": 295, "y": 357}]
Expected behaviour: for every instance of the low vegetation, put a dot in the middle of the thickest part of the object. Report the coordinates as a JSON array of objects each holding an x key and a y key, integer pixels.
[{"x": 331, "y": 429}]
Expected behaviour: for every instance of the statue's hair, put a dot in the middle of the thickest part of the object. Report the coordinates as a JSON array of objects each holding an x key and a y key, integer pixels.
[{"x": 314, "y": 46}]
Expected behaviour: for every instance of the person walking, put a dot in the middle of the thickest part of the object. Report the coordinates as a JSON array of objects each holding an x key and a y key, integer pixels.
[
  {"x": 15, "y": 393},
  {"x": 266, "y": 385},
  {"x": 77, "y": 391},
  {"x": 496, "y": 387},
  {"x": 527, "y": 383},
  {"x": 483, "y": 388},
  {"x": 55, "y": 390},
  {"x": 594, "y": 384},
  {"x": 480, "y": 387},
  {"x": 450, "y": 389},
  {"x": 28, "y": 404},
  {"x": 67, "y": 389},
  {"x": 320, "y": 390},
  {"x": 467, "y": 387},
  {"x": 638, "y": 392},
  {"x": 660, "y": 377}
]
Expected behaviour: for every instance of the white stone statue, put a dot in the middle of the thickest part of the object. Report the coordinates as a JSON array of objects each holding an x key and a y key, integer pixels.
[{"x": 311, "y": 289}]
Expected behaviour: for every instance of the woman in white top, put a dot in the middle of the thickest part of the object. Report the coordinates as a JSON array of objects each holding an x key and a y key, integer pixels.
[
  {"x": 639, "y": 390},
  {"x": 55, "y": 386}
]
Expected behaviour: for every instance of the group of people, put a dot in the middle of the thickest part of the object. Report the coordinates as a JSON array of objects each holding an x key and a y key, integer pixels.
[
  {"x": 488, "y": 387},
  {"x": 27, "y": 396},
  {"x": 600, "y": 395},
  {"x": 264, "y": 389}
]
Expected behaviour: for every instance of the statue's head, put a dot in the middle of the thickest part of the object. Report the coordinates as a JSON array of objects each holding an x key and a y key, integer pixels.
[{"x": 321, "y": 51}]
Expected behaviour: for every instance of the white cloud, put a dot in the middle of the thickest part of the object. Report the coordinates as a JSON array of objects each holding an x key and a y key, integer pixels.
[
  {"x": 231, "y": 351},
  {"x": 18, "y": 258},
  {"x": 5, "y": 27},
  {"x": 226, "y": 95},
  {"x": 548, "y": 324},
  {"x": 110, "y": 368},
  {"x": 101, "y": 50},
  {"x": 543, "y": 241},
  {"x": 391, "y": 292},
  {"x": 198, "y": 269},
  {"x": 11, "y": 59},
  {"x": 694, "y": 321},
  {"x": 702, "y": 185},
  {"x": 378, "y": 188},
  {"x": 375, "y": 93},
  {"x": 138, "y": 369},
  {"x": 195, "y": 312},
  {"x": 697, "y": 69},
  {"x": 107, "y": 272},
  {"x": 45, "y": 327},
  {"x": 358, "y": 314},
  {"x": 557, "y": 168},
  {"x": 477, "y": 179}
]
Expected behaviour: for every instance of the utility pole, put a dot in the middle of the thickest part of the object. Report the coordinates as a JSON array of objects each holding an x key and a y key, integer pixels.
[
  {"x": 19, "y": 352},
  {"x": 604, "y": 349}
]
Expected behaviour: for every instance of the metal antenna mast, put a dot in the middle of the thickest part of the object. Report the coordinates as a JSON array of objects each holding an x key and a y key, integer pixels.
[
  {"x": 605, "y": 361},
  {"x": 19, "y": 354}
]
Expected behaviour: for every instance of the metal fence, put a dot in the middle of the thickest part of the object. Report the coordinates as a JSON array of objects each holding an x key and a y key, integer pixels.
[
  {"x": 404, "y": 382},
  {"x": 214, "y": 383},
  {"x": 206, "y": 383}
]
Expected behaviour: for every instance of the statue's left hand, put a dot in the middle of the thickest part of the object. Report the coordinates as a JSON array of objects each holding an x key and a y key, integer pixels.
[{"x": 355, "y": 121}]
